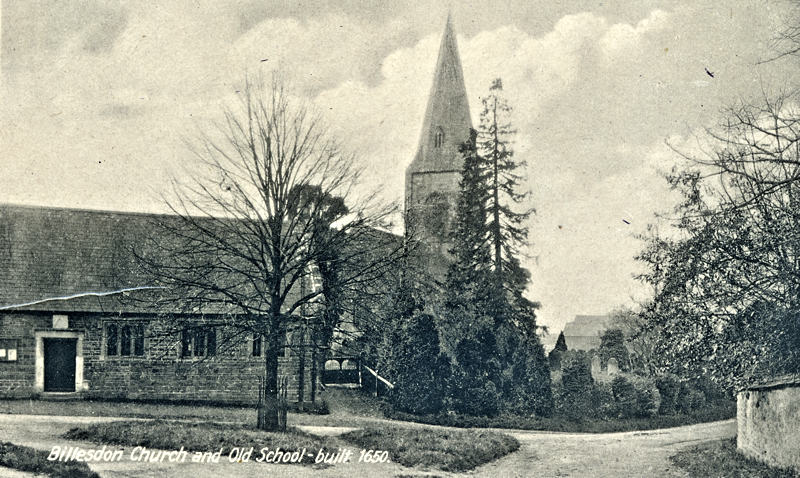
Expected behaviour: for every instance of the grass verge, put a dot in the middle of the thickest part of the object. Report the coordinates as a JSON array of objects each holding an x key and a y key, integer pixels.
[
  {"x": 719, "y": 411},
  {"x": 202, "y": 437},
  {"x": 446, "y": 450},
  {"x": 28, "y": 459},
  {"x": 720, "y": 459}
]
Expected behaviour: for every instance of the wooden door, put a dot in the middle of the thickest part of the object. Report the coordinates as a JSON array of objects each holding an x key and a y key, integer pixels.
[{"x": 59, "y": 365}]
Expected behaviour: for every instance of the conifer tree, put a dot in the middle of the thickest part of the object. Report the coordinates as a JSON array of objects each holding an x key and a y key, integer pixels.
[
  {"x": 506, "y": 226},
  {"x": 496, "y": 349}
]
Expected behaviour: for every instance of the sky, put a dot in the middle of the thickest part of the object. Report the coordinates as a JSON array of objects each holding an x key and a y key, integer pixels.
[{"x": 99, "y": 98}]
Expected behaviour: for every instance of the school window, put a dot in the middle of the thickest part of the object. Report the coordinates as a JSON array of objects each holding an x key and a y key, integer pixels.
[
  {"x": 199, "y": 342},
  {"x": 124, "y": 339}
]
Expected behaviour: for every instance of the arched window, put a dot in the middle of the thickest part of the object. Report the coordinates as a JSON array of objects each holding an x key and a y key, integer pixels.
[{"x": 438, "y": 138}]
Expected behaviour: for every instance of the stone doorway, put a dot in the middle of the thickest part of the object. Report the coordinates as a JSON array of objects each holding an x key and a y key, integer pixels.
[{"x": 59, "y": 364}]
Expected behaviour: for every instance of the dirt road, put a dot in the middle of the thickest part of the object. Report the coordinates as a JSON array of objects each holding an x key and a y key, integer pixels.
[
  {"x": 634, "y": 454},
  {"x": 542, "y": 454}
]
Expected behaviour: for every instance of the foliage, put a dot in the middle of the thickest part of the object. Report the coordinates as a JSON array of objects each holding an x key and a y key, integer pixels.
[
  {"x": 635, "y": 397},
  {"x": 625, "y": 396},
  {"x": 554, "y": 358},
  {"x": 573, "y": 396},
  {"x": 476, "y": 373},
  {"x": 27, "y": 459},
  {"x": 612, "y": 345},
  {"x": 447, "y": 450},
  {"x": 690, "y": 399},
  {"x": 727, "y": 277},
  {"x": 587, "y": 422},
  {"x": 668, "y": 388},
  {"x": 528, "y": 389},
  {"x": 421, "y": 370},
  {"x": 641, "y": 336}
]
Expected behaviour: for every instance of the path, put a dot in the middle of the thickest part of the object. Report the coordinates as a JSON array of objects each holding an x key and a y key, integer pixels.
[{"x": 542, "y": 454}]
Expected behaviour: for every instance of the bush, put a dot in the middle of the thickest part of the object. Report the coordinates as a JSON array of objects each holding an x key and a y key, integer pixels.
[
  {"x": 647, "y": 396},
  {"x": 475, "y": 374},
  {"x": 690, "y": 399},
  {"x": 624, "y": 396},
  {"x": 477, "y": 399},
  {"x": 574, "y": 394},
  {"x": 635, "y": 397},
  {"x": 529, "y": 389},
  {"x": 421, "y": 372},
  {"x": 602, "y": 401},
  {"x": 668, "y": 387}
]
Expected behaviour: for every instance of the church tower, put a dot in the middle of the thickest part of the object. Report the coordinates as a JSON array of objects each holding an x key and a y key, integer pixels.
[{"x": 432, "y": 177}]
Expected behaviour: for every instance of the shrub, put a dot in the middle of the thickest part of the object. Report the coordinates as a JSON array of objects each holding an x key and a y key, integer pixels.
[
  {"x": 635, "y": 397},
  {"x": 602, "y": 401},
  {"x": 477, "y": 399},
  {"x": 421, "y": 372},
  {"x": 668, "y": 387},
  {"x": 647, "y": 396},
  {"x": 624, "y": 396},
  {"x": 476, "y": 372},
  {"x": 574, "y": 394},
  {"x": 690, "y": 399},
  {"x": 529, "y": 388}
]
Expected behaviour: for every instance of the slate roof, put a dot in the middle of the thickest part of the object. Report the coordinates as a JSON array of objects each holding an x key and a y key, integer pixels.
[
  {"x": 583, "y": 332},
  {"x": 48, "y": 253}
]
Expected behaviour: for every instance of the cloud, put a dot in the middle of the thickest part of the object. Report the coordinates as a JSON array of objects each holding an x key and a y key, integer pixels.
[{"x": 95, "y": 115}]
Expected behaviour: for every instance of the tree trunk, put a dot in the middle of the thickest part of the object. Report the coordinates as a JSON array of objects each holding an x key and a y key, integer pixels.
[
  {"x": 269, "y": 405},
  {"x": 313, "y": 394},
  {"x": 301, "y": 370}
]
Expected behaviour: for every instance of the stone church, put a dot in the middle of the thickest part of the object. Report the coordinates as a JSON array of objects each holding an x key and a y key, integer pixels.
[
  {"x": 432, "y": 178},
  {"x": 66, "y": 328}
]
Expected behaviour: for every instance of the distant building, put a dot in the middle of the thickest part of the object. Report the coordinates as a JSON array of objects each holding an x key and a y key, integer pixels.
[{"x": 583, "y": 332}]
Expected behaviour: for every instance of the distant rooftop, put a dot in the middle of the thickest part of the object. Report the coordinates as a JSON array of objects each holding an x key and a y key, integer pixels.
[{"x": 583, "y": 332}]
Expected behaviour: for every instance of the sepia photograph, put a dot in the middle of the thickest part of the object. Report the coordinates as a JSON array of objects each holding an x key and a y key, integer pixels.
[{"x": 406, "y": 239}]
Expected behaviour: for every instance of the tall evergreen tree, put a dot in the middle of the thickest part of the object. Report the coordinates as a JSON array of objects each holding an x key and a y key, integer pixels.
[
  {"x": 491, "y": 324},
  {"x": 507, "y": 230}
]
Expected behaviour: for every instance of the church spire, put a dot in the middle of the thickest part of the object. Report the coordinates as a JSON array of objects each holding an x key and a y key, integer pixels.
[{"x": 447, "y": 119}]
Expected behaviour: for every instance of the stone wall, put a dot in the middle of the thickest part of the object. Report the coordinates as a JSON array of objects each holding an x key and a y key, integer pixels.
[
  {"x": 17, "y": 377},
  {"x": 768, "y": 421},
  {"x": 231, "y": 376}
]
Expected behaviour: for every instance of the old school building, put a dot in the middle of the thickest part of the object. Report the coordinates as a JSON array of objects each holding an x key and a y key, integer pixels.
[{"x": 74, "y": 318}]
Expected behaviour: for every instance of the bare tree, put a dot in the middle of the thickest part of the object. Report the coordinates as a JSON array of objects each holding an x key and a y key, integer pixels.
[{"x": 255, "y": 222}]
